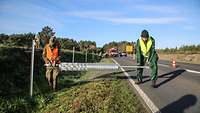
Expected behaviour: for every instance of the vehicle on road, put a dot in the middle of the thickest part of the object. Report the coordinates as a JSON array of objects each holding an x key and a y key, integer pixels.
[
  {"x": 123, "y": 54},
  {"x": 113, "y": 52}
]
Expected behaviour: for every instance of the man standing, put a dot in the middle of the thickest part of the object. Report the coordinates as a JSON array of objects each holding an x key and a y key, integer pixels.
[
  {"x": 52, "y": 61},
  {"x": 145, "y": 52}
]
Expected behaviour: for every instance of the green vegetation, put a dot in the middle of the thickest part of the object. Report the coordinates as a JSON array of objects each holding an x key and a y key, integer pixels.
[
  {"x": 185, "y": 49},
  {"x": 67, "y": 43},
  {"x": 94, "y": 92},
  {"x": 15, "y": 76},
  {"x": 96, "y": 97},
  {"x": 45, "y": 34},
  {"x": 17, "y": 40},
  {"x": 91, "y": 91},
  {"x": 25, "y": 41}
]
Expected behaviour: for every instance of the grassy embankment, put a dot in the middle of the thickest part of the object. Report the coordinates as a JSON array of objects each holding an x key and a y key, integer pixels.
[
  {"x": 15, "y": 78},
  {"x": 185, "y": 53},
  {"x": 91, "y": 91},
  {"x": 187, "y": 58},
  {"x": 95, "y": 92}
]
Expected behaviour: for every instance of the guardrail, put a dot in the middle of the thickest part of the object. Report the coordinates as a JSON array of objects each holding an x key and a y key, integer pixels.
[{"x": 93, "y": 66}]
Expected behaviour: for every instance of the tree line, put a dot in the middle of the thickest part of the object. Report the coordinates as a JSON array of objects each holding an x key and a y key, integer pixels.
[
  {"x": 120, "y": 46},
  {"x": 190, "y": 49},
  {"x": 25, "y": 40}
]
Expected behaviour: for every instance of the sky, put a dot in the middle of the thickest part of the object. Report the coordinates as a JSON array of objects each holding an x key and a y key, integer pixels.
[{"x": 171, "y": 22}]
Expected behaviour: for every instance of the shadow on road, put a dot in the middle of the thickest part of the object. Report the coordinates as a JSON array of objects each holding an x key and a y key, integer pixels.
[
  {"x": 180, "y": 105},
  {"x": 173, "y": 74}
]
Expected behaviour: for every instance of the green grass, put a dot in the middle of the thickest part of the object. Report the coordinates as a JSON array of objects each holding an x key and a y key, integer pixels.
[
  {"x": 87, "y": 93},
  {"x": 15, "y": 76},
  {"x": 92, "y": 91},
  {"x": 95, "y": 97},
  {"x": 107, "y": 60}
]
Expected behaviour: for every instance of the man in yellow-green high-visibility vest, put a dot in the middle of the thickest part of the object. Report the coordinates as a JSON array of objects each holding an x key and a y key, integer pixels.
[{"x": 145, "y": 52}]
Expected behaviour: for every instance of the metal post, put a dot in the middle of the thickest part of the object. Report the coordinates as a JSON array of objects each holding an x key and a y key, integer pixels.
[
  {"x": 133, "y": 56},
  {"x": 86, "y": 56},
  {"x": 92, "y": 55},
  {"x": 73, "y": 55},
  {"x": 32, "y": 66}
]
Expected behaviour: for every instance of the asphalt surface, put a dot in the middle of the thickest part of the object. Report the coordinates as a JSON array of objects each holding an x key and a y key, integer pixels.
[{"x": 177, "y": 91}]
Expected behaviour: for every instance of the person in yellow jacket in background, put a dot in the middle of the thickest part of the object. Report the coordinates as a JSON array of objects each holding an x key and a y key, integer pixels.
[
  {"x": 51, "y": 58},
  {"x": 146, "y": 52}
]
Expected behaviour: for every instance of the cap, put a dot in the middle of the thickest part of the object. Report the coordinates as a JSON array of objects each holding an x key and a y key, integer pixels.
[{"x": 145, "y": 34}]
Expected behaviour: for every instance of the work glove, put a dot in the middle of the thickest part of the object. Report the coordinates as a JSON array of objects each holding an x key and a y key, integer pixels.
[
  {"x": 138, "y": 64},
  {"x": 48, "y": 63},
  {"x": 148, "y": 63},
  {"x": 54, "y": 63}
]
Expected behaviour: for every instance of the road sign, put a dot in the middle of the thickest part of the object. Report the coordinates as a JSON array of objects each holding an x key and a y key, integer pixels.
[{"x": 129, "y": 48}]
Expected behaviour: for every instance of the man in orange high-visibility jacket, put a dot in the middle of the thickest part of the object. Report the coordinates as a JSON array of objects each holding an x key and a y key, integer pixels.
[{"x": 52, "y": 61}]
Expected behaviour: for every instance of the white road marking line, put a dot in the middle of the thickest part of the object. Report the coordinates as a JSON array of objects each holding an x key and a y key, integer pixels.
[
  {"x": 188, "y": 70},
  {"x": 192, "y": 71},
  {"x": 163, "y": 65},
  {"x": 147, "y": 100}
]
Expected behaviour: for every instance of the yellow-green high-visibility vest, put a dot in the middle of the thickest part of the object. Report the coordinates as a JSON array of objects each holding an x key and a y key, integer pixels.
[{"x": 145, "y": 47}]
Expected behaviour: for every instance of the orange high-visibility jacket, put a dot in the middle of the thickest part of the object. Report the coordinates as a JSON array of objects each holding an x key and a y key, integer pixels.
[{"x": 51, "y": 54}]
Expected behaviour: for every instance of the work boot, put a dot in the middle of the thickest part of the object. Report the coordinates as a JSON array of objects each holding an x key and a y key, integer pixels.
[
  {"x": 139, "y": 81},
  {"x": 153, "y": 83},
  {"x": 54, "y": 87}
]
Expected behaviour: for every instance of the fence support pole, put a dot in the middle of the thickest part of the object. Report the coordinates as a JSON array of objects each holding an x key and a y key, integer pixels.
[
  {"x": 93, "y": 55},
  {"x": 73, "y": 55},
  {"x": 32, "y": 68},
  {"x": 86, "y": 56}
]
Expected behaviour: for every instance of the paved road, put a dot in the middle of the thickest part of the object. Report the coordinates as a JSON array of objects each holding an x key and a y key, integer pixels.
[{"x": 178, "y": 91}]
